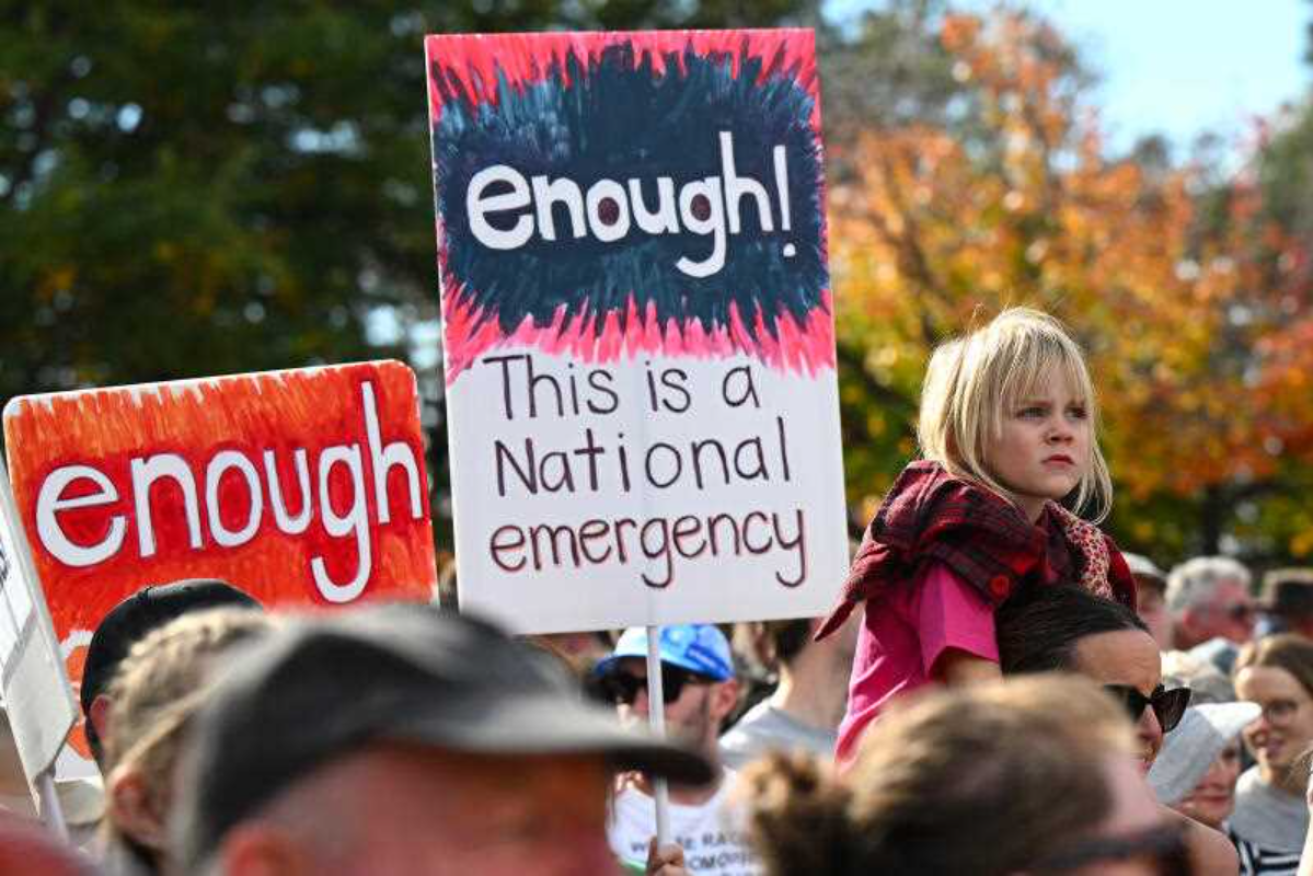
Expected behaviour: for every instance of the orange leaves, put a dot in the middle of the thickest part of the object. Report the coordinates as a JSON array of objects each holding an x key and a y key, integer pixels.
[
  {"x": 959, "y": 32},
  {"x": 1198, "y": 322}
]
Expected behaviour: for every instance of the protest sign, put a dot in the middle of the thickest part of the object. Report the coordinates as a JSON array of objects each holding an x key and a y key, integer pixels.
[
  {"x": 638, "y": 327},
  {"x": 300, "y": 487},
  {"x": 38, "y": 698}
]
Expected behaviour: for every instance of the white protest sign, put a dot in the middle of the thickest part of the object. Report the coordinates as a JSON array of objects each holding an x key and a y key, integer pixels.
[
  {"x": 38, "y": 696},
  {"x": 638, "y": 328}
]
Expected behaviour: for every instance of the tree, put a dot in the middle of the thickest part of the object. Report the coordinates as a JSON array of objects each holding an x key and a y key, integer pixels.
[
  {"x": 1177, "y": 297},
  {"x": 186, "y": 193}
]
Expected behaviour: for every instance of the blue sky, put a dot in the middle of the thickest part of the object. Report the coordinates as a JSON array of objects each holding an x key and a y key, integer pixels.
[{"x": 1179, "y": 67}]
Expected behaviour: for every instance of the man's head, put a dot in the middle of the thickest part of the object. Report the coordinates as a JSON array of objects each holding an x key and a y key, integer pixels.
[
  {"x": 396, "y": 739},
  {"x": 1208, "y": 598},
  {"x": 698, "y": 684},
  {"x": 1288, "y": 599},
  {"x": 126, "y": 624},
  {"x": 1151, "y": 586}
]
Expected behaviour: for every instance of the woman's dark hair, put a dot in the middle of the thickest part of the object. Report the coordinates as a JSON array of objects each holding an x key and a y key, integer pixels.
[
  {"x": 787, "y": 638},
  {"x": 1038, "y": 628}
]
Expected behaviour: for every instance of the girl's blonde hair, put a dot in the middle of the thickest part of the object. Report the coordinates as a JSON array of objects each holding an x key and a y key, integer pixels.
[
  {"x": 157, "y": 689},
  {"x": 972, "y": 381}
]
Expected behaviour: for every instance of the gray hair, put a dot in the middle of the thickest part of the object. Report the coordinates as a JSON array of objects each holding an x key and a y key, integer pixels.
[
  {"x": 1195, "y": 581},
  {"x": 1206, "y": 682}
]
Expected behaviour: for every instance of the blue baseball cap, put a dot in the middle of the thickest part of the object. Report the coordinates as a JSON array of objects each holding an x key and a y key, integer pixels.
[{"x": 700, "y": 648}]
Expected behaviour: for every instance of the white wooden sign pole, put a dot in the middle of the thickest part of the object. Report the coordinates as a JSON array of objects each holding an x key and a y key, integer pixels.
[
  {"x": 656, "y": 712},
  {"x": 37, "y": 694},
  {"x": 48, "y": 804}
]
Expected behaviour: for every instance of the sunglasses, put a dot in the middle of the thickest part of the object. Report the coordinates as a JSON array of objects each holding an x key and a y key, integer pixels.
[
  {"x": 1165, "y": 845},
  {"x": 1168, "y": 705},
  {"x": 622, "y": 688},
  {"x": 1240, "y": 611}
]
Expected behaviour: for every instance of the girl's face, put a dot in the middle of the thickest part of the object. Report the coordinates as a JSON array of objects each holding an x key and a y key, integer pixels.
[
  {"x": 1213, "y": 798},
  {"x": 1043, "y": 451}
]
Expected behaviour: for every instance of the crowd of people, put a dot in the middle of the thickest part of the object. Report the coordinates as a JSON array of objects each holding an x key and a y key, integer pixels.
[{"x": 999, "y": 690}]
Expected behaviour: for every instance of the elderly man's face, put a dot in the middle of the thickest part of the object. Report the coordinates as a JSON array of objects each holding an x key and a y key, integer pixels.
[
  {"x": 395, "y": 810},
  {"x": 1229, "y": 614}
]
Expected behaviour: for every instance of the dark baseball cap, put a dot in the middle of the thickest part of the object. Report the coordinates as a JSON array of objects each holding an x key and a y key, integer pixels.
[
  {"x": 323, "y": 687},
  {"x": 150, "y": 607}
]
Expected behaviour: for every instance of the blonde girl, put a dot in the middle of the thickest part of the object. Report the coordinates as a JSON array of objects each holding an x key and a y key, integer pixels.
[
  {"x": 1007, "y": 435},
  {"x": 156, "y": 691}
]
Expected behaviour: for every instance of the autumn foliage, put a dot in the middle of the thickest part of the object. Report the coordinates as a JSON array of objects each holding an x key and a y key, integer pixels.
[{"x": 1194, "y": 306}]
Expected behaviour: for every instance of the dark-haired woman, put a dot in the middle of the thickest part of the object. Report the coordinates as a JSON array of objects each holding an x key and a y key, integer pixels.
[{"x": 1069, "y": 629}]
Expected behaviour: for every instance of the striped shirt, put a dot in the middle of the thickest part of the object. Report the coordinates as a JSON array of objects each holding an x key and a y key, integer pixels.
[{"x": 1256, "y": 861}]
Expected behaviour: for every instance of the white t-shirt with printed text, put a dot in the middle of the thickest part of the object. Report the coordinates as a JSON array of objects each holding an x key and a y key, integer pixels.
[{"x": 712, "y": 846}]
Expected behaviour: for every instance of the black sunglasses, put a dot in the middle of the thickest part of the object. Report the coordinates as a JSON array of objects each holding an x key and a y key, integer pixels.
[
  {"x": 622, "y": 688},
  {"x": 1168, "y": 705},
  {"x": 1165, "y": 845},
  {"x": 1240, "y": 611}
]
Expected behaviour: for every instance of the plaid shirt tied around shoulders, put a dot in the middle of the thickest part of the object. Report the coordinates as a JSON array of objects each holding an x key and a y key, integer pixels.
[{"x": 930, "y": 515}]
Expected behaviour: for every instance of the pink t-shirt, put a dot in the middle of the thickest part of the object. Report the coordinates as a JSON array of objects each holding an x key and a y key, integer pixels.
[{"x": 905, "y": 632}]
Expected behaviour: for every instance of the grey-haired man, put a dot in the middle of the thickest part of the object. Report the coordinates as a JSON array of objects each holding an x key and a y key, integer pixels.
[{"x": 397, "y": 741}]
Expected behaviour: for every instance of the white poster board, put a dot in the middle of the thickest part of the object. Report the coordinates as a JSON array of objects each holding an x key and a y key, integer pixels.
[
  {"x": 38, "y": 696},
  {"x": 638, "y": 327}
]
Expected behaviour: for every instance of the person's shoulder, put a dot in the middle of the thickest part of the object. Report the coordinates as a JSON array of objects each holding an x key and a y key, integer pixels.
[
  {"x": 1251, "y": 798},
  {"x": 1249, "y": 782},
  {"x": 750, "y": 732},
  {"x": 924, "y": 484},
  {"x": 724, "y": 791},
  {"x": 750, "y": 725},
  {"x": 1211, "y": 852},
  {"x": 627, "y": 792},
  {"x": 761, "y": 711}
]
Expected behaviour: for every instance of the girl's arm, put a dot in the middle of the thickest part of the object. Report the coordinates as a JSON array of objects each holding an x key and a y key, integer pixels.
[{"x": 956, "y": 667}]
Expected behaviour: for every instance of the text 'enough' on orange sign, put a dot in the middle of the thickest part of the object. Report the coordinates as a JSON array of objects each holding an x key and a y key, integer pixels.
[{"x": 302, "y": 486}]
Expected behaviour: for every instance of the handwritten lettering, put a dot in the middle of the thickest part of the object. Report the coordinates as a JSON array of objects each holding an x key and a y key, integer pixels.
[
  {"x": 505, "y": 210},
  {"x": 249, "y": 483},
  {"x": 658, "y": 540}
]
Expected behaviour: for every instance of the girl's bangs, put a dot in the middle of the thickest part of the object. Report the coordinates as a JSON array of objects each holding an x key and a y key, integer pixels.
[{"x": 1032, "y": 368}]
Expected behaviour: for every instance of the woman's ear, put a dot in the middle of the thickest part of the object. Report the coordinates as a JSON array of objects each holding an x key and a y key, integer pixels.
[{"x": 133, "y": 811}]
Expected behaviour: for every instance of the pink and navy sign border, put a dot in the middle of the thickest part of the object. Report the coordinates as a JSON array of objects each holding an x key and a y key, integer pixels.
[{"x": 610, "y": 196}]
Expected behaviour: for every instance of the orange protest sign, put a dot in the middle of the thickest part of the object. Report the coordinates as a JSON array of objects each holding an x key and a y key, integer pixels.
[{"x": 300, "y": 487}]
